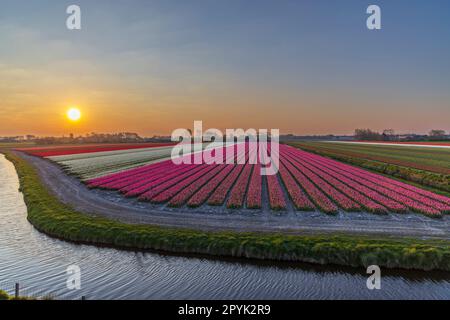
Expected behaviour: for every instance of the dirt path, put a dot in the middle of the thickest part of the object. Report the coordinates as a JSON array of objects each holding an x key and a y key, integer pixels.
[{"x": 108, "y": 204}]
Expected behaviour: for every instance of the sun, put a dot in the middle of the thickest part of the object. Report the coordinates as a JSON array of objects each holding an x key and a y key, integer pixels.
[{"x": 74, "y": 114}]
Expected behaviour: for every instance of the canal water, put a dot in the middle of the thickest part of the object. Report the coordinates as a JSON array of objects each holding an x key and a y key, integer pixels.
[{"x": 39, "y": 263}]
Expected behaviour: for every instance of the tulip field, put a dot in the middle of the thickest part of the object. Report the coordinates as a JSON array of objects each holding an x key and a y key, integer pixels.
[
  {"x": 304, "y": 182},
  {"x": 90, "y": 165},
  {"x": 94, "y": 161},
  {"x": 52, "y": 151}
]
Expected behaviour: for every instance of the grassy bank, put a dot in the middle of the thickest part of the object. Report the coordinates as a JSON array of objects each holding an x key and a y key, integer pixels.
[
  {"x": 5, "y": 296},
  {"x": 402, "y": 164},
  {"x": 52, "y": 217}
]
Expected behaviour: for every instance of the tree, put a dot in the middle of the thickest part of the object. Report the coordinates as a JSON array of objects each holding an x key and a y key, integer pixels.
[
  {"x": 367, "y": 135},
  {"x": 388, "y": 134},
  {"x": 437, "y": 134}
]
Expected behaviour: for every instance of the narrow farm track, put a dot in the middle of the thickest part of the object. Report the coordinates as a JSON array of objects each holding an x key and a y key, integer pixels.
[{"x": 111, "y": 205}]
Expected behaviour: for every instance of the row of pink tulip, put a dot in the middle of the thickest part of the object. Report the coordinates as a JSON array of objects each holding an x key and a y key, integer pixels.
[
  {"x": 218, "y": 196},
  {"x": 310, "y": 181},
  {"x": 350, "y": 190},
  {"x": 137, "y": 172},
  {"x": 130, "y": 183},
  {"x": 255, "y": 189},
  {"x": 298, "y": 197},
  {"x": 389, "y": 203},
  {"x": 162, "y": 177},
  {"x": 98, "y": 182},
  {"x": 204, "y": 193},
  {"x": 276, "y": 197},
  {"x": 166, "y": 194},
  {"x": 317, "y": 196},
  {"x": 426, "y": 197},
  {"x": 390, "y": 182},
  {"x": 369, "y": 193},
  {"x": 338, "y": 197},
  {"x": 391, "y": 193},
  {"x": 191, "y": 185},
  {"x": 426, "y": 193},
  {"x": 155, "y": 187},
  {"x": 237, "y": 194},
  {"x": 442, "y": 207}
]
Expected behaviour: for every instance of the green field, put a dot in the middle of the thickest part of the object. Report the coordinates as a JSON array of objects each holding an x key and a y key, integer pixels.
[{"x": 429, "y": 167}]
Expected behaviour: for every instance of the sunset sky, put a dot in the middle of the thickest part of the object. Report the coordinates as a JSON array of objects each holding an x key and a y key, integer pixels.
[{"x": 305, "y": 67}]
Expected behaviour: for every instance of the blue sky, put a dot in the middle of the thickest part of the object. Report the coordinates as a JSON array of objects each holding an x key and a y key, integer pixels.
[{"x": 153, "y": 66}]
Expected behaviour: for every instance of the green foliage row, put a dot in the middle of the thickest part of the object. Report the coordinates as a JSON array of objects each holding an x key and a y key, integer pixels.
[
  {"x": 52, "y": 217},
  {"x": 5, "y": 296},
  {"x": 428, "y": 179}
]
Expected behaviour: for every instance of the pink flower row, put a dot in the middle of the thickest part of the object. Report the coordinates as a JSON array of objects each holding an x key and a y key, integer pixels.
[
  {"x": 342, "y": 200},
  {"x": 428, "y": 198},
  {"x": 392, "y": 194},
  {"x": 203, "y": 194},
  {"x": 350, "y": 190},
  {"x": 237, "y": 195},
  {"x": 161, "y": 180},
  {"x": 317, "y": 196},
  {"x": 254, "y": 189},
  {"x": 191, "y": 185},
  {"x": 99, "y": 182},
  {"x": 276, "y": 197},
  {"x": 218, "y": 196},
  {"x": 298, "y": 197},
  {"x": 164, "y": 184},
  {"x": 394, "y": 197}
]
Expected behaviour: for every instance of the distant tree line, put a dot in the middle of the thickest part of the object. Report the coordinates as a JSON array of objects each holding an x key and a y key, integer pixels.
[
  {"x": 121, "y": 137},
  {"x": 390, "y": 135}
]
